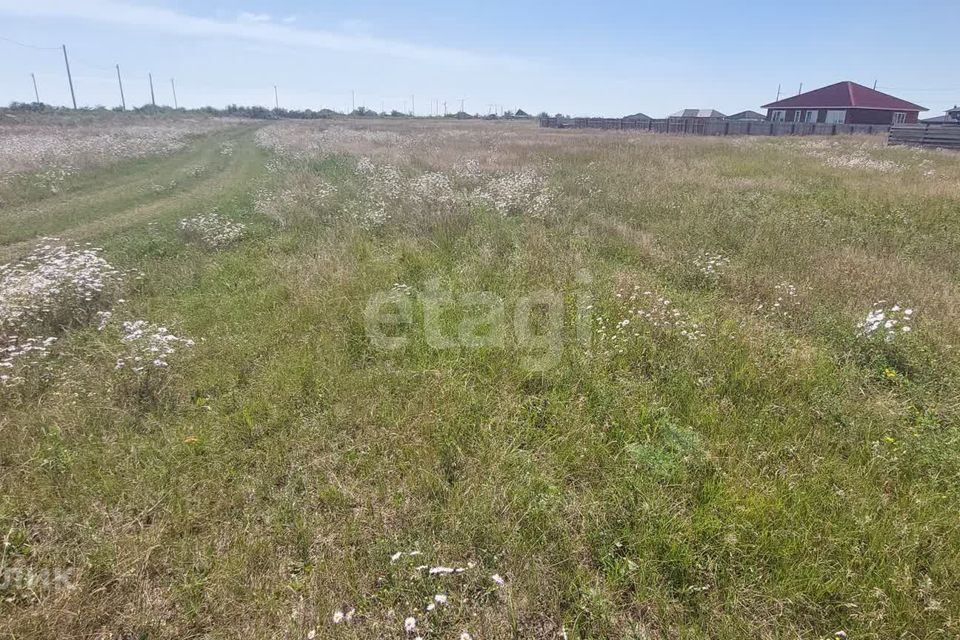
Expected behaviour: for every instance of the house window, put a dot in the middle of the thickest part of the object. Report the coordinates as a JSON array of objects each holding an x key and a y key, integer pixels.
[
  {"x": 836, "y": 117},
  {"x": 796, "y": 115},
  {"x": 778, "y": 115},
  {"x": 811, "y": 116},
  {"x": 899, "y": 117}
]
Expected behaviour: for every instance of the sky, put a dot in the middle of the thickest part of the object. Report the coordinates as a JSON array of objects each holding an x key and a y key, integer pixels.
[{"x": 580, "y": 58}]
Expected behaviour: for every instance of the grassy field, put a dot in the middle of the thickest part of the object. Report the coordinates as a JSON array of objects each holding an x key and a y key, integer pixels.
[{"x": 581, "y": 385}]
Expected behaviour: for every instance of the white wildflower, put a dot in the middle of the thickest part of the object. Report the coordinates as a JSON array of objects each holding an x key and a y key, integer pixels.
[
  {"x": 885, "y": 321},
  {"x": 146, "y": 341},
  {"x": 212, "y": 229},
  {"x": 55, "y": 285},
  {"x": 710, "y": 265}
]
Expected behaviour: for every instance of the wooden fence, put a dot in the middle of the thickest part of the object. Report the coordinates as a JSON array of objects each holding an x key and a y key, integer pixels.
[
  {"x": 704, "y": 127},
  {"x": 944, "y": 136}
]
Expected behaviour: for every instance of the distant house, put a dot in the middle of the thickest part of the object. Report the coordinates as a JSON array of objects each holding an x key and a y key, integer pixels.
[
  {"x": 638, "y": 117},
  {"x": 844, "y": 103},
  {"x": 700, "y": 114},
  {"x": 747, "y": 116},
  {"x": 952, "y": 116},
  {"x": 520, "y": 113}
]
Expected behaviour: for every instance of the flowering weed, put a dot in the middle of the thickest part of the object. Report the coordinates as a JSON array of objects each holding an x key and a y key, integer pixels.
[{"x": 212, "y": 230}]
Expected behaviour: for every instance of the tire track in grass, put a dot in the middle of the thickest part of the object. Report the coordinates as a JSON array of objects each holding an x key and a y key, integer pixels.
[
  {"x": 113, "y": 190},
  {"x": 123, "y": 178},
  {"x": 113, "y": 211}
]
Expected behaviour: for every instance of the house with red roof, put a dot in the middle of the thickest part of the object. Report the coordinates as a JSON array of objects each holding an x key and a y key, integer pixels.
[{"x": 844, "y": 103}]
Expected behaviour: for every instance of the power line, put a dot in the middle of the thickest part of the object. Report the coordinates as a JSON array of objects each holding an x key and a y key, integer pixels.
[
  {"x": 29, "y": 46},
  {"x": 920, "y": 90},
  {"x": 84, "y": 63}
]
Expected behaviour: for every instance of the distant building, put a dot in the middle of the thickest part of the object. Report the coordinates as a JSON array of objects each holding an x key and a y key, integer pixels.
[
  {"x": 701, "y": 114},
  {"x": 952, "y": 116},
  {"x": 747, "y": 116},
  {"x": 844, "y": 103},
  {"x": 638, "y": 117},
  {"x": 520, "y": 113}
]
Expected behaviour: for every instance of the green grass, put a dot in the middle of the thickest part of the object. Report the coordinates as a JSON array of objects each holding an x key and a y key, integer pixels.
[
  {"x": 108, "y": 200},
  {"x": 769, "y": 480}
]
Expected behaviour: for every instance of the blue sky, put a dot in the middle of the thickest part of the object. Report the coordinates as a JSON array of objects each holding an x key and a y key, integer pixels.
[{"x": 601, "y": 58}]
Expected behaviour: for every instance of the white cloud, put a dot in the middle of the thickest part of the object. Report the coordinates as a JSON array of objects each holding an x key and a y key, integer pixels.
[
  {"x": 246, "y": 16},
  {"x": 252, "y": 27}
]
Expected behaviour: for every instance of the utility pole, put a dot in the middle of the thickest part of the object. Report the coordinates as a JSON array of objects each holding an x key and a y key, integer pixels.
[
  {"x": 174, "y": 87},
  {"x": 153, "y": 99},
  {"x": 874, "y": 85},
  {"x": 66, "y": 61},
  {"x": 36, "y": 92},
  {"x": 778, "y": 92},
  {"x": 123, "y": 101},
  {"x": 800, "y": 90},
  {"x": 444, "y": 108},
  {"x": 461, "y": 105},
  {"x": 276, "y": 99},
  {"x": 413, "y": 105}
]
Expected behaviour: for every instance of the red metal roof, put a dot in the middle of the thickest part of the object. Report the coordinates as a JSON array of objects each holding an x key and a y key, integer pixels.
[{"x": 845, "y": 95}]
